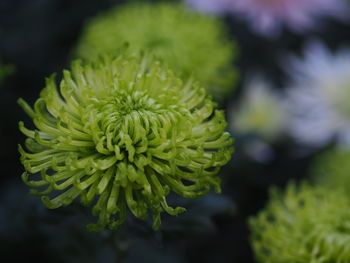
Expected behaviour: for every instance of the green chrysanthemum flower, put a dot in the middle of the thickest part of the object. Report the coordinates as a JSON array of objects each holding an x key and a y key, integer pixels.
[
  {"x": 303, "y": 225},
  {"x": 124, "y": 133},
  {"x": 190, "y": 43},
  {"x": 332, "y": 169}
]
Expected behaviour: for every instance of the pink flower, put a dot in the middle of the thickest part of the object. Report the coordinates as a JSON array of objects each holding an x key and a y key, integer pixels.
[{"x": 268, "y": 16}]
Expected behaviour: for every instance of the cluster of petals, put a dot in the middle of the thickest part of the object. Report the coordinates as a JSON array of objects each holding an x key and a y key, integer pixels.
[
  {"x": 120, "y": 135},
  {"x": 303, "y": 224}
]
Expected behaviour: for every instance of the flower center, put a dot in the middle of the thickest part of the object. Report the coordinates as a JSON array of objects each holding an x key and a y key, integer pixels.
[
  {"x": 137, "y": 101},
  {"x": 259, "y": 119},
  {"x": 125, "y": 124},
  {"x": 114, "y": 111}
]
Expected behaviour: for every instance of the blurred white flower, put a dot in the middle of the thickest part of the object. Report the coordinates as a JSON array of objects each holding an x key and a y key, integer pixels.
[
  {"x": 260, "y": 111},
  {"x": 319, "y": 95},
  {"x": 261, "y": 117},
  {"x": 268, "y": 16}
]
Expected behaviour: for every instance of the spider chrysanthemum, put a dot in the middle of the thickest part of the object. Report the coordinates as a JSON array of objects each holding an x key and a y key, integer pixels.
[
  {"x": 120, "y": 135},
  {"x": 190, "y": 43},
  {"x": 305, "y": 224}
]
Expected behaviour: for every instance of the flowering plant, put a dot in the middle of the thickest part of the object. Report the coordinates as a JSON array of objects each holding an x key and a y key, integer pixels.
[
  {"x": 318, "y": 95},
  {"x": 190, "y": 43},
  {"x": 124, "y": 132},
  {"x": 304, "y": 224},
  {"x": 260, "y": 111},
  {"x": 332, "y": 169}
]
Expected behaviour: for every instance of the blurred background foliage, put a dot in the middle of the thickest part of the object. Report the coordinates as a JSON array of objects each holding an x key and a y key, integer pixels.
[{"x": 37, "y": 38}]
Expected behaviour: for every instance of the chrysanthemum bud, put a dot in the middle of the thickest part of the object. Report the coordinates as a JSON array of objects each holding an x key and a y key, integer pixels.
[
  {"x": 190, "y": 43},
  {"x": 305, "y": 224},
  {"x": 122, "y": 134},
  {"x": 332, "y": 169}
]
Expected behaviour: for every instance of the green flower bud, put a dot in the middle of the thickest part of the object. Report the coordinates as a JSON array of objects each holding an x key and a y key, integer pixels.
[
  {"x": 190, "y": 43},
  {"x": 303, "y": 225},
  {"x": 121, "y": 134},
  {"x": 332, "y": 169}
]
